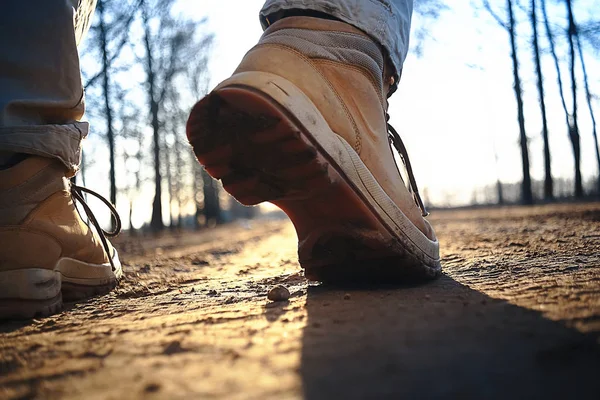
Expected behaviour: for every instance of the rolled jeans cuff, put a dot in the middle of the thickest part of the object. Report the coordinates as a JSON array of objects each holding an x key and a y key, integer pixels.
[
  {"x": 386, "y": 21},
  {"x": 62, "y": 142}
]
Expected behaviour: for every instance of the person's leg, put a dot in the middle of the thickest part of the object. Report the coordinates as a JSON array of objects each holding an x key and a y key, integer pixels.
[
  {"x": 303, "y": 123},
  {"x": 47, "y": 250},
  {"x": 41, "y": 95},
  {"x": 386, "y": 21}
]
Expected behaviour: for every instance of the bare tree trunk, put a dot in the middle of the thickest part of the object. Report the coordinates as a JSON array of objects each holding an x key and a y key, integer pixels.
[
  {"x": 548, "y": 184},
  {"x": 526, "y": 193},
  {"x": 574, "y": 127},
  {"x": 157, "y": 221},
  {"x": 212, "y": 206},
  {"x": 167, "y": 153},
  {"x": 83, "y": 168},
  {"x": 499, "y": 189},
  {"x": 110, "y": 135},
  {"x": 132, "y": 230},
  {"x": 196, "y": 190},
  {"x": 588, "y": 96},
  {"x": 499, "y": 192},
  {"x": 138, "y": 173},
  {"x": 178, "y": 181},
  {"x": 561, "y": 89}
]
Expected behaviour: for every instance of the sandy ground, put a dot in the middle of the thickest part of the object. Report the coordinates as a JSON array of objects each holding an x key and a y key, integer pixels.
[{"x": 515, "y": 315}]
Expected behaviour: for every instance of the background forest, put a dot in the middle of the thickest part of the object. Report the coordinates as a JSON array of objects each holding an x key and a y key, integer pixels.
[{"x": 146, "y": 62}]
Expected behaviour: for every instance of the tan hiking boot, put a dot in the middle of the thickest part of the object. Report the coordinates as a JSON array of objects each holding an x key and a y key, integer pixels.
[
  {"x": 46, "y": 250},
  {"x": 302, "y": 123}
]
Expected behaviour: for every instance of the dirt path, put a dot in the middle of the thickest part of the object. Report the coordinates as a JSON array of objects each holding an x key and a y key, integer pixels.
[{"x": 516, "y": 315}]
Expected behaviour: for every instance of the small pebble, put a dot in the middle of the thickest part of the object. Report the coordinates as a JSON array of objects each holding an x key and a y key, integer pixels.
[
  {"x": 152, "y": 388},
  {"x": 347, "y": 296},
  {"x": 278, "y": 293},
  {"x": 173, "y": 348}
]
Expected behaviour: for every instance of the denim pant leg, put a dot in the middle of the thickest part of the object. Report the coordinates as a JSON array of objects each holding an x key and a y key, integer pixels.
[
  {"x": 387, "y": 21},
  {"x": 41, "y": 95}
]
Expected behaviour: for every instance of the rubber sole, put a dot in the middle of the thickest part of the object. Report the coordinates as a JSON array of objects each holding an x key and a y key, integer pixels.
[
  {"x": 27, "y": 309},
  {"x": 82, "y": 280},
  {"x": 262, "y": 152},
  {"x": 34, "y": 292},
  {"x": 75, "y": 292}
]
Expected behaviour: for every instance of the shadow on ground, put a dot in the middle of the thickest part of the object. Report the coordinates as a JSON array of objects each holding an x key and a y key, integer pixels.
[{"x": 439, "y": 340}]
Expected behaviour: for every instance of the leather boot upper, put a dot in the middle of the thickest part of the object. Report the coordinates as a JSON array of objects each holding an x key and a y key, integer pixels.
[
  {"x": 341, "y": 70},
  {"x": 39, "y": 223}
]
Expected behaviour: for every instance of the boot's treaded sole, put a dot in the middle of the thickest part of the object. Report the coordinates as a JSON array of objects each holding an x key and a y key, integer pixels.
[
  {"x": 36, "y": 292},
  {"x": 261, "y": 152},
  {"x": 27, "y": 309}
]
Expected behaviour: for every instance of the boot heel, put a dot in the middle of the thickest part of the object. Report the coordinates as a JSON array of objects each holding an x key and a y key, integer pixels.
[{"x": 30, "y": 292}]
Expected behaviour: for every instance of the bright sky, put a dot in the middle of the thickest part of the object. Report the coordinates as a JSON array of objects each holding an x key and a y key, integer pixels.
[{"x": 455, "y": 103}]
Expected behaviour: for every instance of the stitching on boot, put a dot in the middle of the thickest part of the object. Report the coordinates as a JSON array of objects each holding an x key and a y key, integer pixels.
[
  {"x": 358, "y": 69},
  {"x": 361, "y": 48},
  {"x": 376, "y": 79},
  {"x": 358, "y": 143},
  {"x": 344, "y": 48}
]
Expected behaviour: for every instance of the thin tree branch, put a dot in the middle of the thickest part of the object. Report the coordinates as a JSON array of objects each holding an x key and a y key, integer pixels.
[{"x": 488, "y": 7}]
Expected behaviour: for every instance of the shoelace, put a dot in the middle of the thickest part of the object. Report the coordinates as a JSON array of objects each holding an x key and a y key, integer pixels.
[
  {"x": 398, "y": 144},
  {"x": 77, "y": 194}
]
